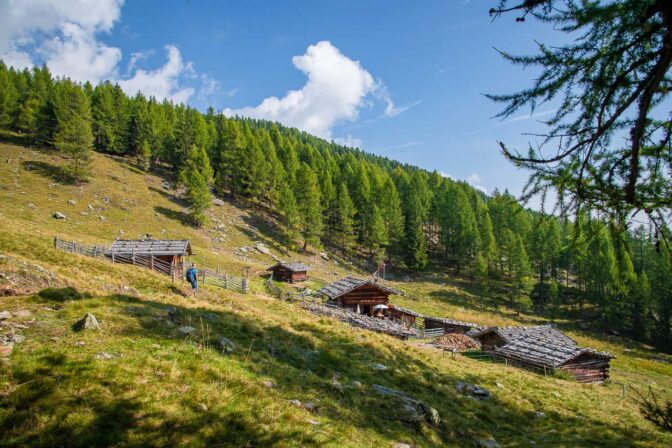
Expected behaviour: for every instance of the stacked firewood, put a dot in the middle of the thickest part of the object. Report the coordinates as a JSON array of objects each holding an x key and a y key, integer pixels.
[
  {"x": 455, "y": 341},
  {"x": 359, "y": 320}
]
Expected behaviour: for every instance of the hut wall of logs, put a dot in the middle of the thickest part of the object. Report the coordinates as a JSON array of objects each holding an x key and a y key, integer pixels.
[{"x": 449, "y": 325}]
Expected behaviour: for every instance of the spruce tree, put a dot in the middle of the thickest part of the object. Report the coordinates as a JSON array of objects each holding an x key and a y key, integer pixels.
[
  {"x": 345, "y": 222},
  {"x": 308, "y": 199},
  {"x": 291, "y": 218},
  {"x": 72, "y": 135},
  {"x": 198, "y": 194}
]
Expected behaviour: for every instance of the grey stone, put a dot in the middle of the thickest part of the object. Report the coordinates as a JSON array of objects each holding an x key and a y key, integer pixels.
[
  {"x": 401, "y": 445},
  {"x": 59, "y": 215},
  {"x": 338, "y": 387},
  {"x": 406, "y": 278},
  {"x": 218, "y": 202},
  {"x": 379, "y": 367},
  {"x": 356, "y": 384},
  {"x": 309, "y": 406},
  {"x": 80, "y": 344},
  {"x": 540, "y": 414},
  {"x": 16, "y": 338},
  {"x": 202, "y": 407},
  {"x": 324, "y": 256},
  {"x": 268, "y": 384},
  {"x": 103, "y": 356},
  {"x": 72, "y": 202},
  {"x": 486, "y": 443},
  {"x": 262, "y": 249},
  {"x": 5, "y": 315},
  {"x": 88, "y": 322},
  {"x": 186, "y": 330},
  {"x": 313, "y": 422},
  {"x": 225, "y": 344},
  {"x": 295, "y": 402},
  {"x": 471, "y": 389}
]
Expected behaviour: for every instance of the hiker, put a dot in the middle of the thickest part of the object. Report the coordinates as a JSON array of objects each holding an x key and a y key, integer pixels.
[{"x": 192, "y": 277}]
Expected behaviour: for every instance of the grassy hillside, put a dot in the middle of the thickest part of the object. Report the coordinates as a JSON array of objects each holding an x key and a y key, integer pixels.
[{"x": 138, "y": 382}]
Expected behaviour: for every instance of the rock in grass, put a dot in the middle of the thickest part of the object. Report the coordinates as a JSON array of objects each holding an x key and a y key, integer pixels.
[
  {"x": 59, "y": 215},
  {"x": 88, "y": 322},
  {"x": 486, "y": 443},
  {"x": 309, "y": 406},
  {"x": 226, "y": 345},
  {"x": 401, "y": 445},
  {"x": 104, "y": 356},
  {"x": 356, "y": 384},
  {"x": 262, "y": 249},
  {"x": 186, "y": 330},
  {"x": 412, "y": 409},
  {"x": 268, "y": 384},
  {"x": 218, "y": 202},
  {"x": 313, "y": 422},
  {"x": 379, "y": 367},
  {"x": 72, "y": 201},
  {"x": 471, "y": 389},
  {"x": 5, "y": 315},
  {"x": 295, "y": 402}
]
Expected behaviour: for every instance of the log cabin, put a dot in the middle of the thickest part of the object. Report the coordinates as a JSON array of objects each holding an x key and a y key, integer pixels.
[
  {"x": 404, "y": 315},
  {"x": 165, "y": 256},
  {"x": 449, "y": 325},
  {"x": 494, "y": 337},
  {"x": 363, "y": 296},
  {"x": 289, "y": 272},
  {"x": 584, "y": 364}
]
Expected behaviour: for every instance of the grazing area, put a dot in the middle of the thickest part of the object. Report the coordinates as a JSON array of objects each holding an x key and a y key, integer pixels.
[{"x": 158, "y": 368}]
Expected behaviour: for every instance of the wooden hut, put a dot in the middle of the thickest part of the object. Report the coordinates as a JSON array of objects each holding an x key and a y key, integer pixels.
[
  {"x": 494, "y": 337},
  {"x": 406, "y": 316},
  {"x": 166, "y": 256},
  {"x": 367, "y": 296},
  {"x": 289, "y": 272},
  {"x": 584, "y": 364},
  {"x": 449, "y": 325}
]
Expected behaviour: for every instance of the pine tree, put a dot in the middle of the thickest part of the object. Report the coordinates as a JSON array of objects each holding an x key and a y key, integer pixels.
[
  {"x": 291, "y": 217},
  {"x": 72, "y": 134},
  {"x": 8, "y": 97},
  {"x": 198, "y": 194},
  {"x": 345, "y": 222},
  {"x": 308, "y": 199},
  {"x": 145, "y": 155}
]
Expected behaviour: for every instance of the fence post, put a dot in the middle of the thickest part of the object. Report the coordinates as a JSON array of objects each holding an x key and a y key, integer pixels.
[
  {"x": 74, "y": 247},
  {"x": 226, "y": 281},
  {"x": 151, "y": 261},
  {"x": 245, "y": 286},
  {"x": 113, "y": 257},
  {"x": 133, "y": 256},
  {"x": 55, "y": 242}
]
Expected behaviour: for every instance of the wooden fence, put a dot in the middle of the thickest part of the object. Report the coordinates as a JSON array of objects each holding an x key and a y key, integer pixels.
[
  {"x": 431, "y": 333},
  {"x": 282, "y": 294},
  {"x": 176, "y": 272},
  {"x": 226, "y": 281}
]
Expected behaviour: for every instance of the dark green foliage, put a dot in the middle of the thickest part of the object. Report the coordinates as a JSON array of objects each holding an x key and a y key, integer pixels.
[
  {"x": 607, "y": 144},
  {"x": 72, "y": 134}
]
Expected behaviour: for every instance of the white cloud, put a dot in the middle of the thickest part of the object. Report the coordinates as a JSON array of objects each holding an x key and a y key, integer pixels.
[
  {"x": 445, "y": 175},
  {"x": 163, "y": 82},
  {"x": 476, "y": 181},
  {"x": 531, "y": 116},
  {"x": 336, "y": 89},
  {"x": 349, "y": 140},
  {"x": 65, "y": 34}
]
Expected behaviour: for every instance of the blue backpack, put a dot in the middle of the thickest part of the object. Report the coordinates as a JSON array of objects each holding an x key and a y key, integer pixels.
[{"x": 191, "y": 275}]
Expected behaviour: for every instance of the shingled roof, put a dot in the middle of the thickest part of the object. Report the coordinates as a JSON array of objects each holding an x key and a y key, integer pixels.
[
  {"x": 294, "y": 266},
  {"x": 407, "y": 311},
  {"x": 454, "y": 322},
  {"x": 151, "y": 247},
  {"x": 547, "y": 332},
  {"x": 348, "y": 284},
  {"x": 543, "y": 352}
]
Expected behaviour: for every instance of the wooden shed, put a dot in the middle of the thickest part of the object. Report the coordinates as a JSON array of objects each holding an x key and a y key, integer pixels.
[
  {"x": 494, "y": 337},
  {"x": 584, "y": 364},
  {"x": 449, "y": 325},
  {"x": 166, "y": 256},
  {"x": 368, "y": 296},
  {"x": 406, "y": 316},
  {"x": 289, "y": 272}
]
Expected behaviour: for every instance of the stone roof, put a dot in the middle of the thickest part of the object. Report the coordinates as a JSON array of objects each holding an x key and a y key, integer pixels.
[
  {"x": 458, "y": 323},
  {"x": 348, "y": 284},
  {"x": 294, "y": 266},
  {"x": 548, "y": 332},
  {"x": 543, "y": 352},
  {"x": 401, "y": 309},
  {"x": 151, "y": 247}
]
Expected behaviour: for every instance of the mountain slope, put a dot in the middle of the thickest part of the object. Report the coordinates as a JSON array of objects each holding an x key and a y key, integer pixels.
[{"x": 139, "y": 382}]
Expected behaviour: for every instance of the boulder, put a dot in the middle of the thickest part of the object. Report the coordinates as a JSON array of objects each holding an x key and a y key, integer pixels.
[
  {"x": 186, "y": 330},
  {"x": 411, "y": 409},
  {"x": 218, "y": 202},
  {"x": 225, "y": 345},
  {"x": 88, "y": 322},
  {"x": 59, "y": 215},
  {"x": 472, "y": 390},
  {"x": 262, "y": 249},
  {"x": 324, "y": 256}
]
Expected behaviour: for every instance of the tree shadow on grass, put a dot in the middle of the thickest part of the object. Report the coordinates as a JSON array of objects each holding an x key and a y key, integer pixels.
[
  {"x": 175, "y": 215},
  {"x": 171, "y": 197},
  {"x": 50, "y": 171}
]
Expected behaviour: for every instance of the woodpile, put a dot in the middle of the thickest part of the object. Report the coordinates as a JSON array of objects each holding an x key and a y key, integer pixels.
[
  {"x": 456, "y": 341},
  {"x": 359, "y": 320}
]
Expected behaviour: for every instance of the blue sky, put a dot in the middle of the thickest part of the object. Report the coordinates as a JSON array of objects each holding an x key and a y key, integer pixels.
[{"x": 400, "y": 79}]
